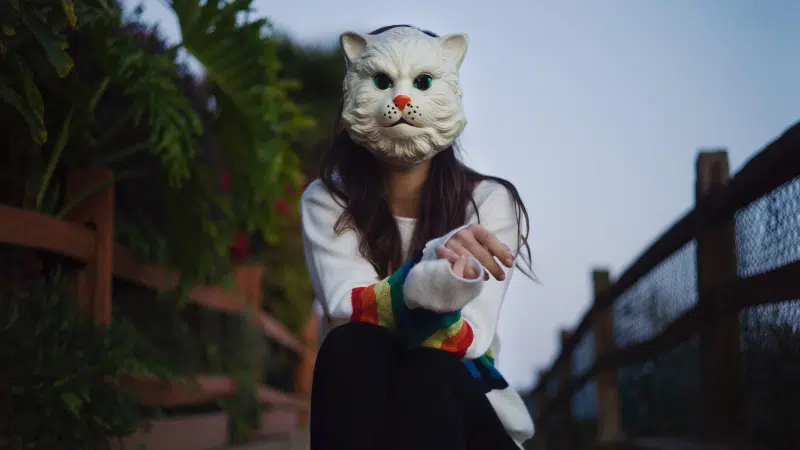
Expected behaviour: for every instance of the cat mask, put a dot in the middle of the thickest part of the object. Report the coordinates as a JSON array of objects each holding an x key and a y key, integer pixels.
[{"x": 402, "y": 98}]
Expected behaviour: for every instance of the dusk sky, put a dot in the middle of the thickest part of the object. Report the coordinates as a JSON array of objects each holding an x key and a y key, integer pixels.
[{"x": 595, "y": 110}]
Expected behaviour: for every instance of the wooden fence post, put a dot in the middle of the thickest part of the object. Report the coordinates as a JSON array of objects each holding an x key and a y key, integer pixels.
[
  {"x": 248, "y": 283},
  {"x": 305, "y": 371},
  {"x": 540, "y": 422},
  {"x": 96, "y": 211},
  {"x": 720, "y": 358},
  {"x": 566, "y": 428},
  {"x": 608, "y": 413},
  {"x": 247, "y": 280}
]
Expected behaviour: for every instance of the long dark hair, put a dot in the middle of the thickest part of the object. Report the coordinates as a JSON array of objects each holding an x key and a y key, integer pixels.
[{"x": 353, "y": 175}]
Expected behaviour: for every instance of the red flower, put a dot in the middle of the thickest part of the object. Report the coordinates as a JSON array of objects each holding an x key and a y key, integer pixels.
[
  {"x": 225, "y": 180},
  {"x": 291, "y": 189},
  {"x": 282, "y": 206},
  {"x": 240, "y": 247}
]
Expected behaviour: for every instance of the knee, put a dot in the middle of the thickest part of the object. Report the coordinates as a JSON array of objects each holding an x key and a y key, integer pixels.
[
  {"x": 355, "y": 340},
  {"x": 432, "y": 366}
]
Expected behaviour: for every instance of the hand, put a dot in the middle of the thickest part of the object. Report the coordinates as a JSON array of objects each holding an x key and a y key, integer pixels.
[
  {"x": 477, "y": 241},
  {"x": 461, "y": 266}
]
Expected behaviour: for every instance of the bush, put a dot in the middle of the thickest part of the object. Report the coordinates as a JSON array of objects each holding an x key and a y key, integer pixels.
[{"x": 59, "y": 372}]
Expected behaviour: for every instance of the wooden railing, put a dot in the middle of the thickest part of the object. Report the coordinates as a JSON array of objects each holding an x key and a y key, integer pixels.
[
  {"x": 87, "y": 237},
  {"x": 707, "y": 313}
]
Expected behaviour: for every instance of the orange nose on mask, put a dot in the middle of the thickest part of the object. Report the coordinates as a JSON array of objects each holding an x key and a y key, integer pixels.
[{"x": 401, "y": 101}]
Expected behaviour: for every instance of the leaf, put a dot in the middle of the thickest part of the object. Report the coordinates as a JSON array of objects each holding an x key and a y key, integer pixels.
[
  {"x": 29, "y": 114},
  {"x": 69, "y": 11},
  {"x": 31, "y": 91},
  {"x": 98, "y": 94},
  {"x": 72, "y": 402},
  {"x": 54, "y": 45},
  {"x": 75, "y": 201},
  {"x": 9, "y": 30},
  {"x": 58, "y": 147}
]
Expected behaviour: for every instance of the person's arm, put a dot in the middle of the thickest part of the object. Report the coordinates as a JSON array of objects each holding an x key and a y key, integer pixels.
[
  {"x": 423, "y": 299},
  {"x": 349, "y": 288},
  {"x": 472, "y": 332}
]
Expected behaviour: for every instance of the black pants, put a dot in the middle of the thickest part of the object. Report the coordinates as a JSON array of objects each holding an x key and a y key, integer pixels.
[{"x": 371, "y": 393}]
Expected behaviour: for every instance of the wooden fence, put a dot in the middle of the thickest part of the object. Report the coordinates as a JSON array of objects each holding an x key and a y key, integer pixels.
[
  {"x": 87, "y": 237},
  {"x": 694, "y": 356}
]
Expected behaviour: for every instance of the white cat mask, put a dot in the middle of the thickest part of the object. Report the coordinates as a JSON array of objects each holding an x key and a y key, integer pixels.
[{"x": 402, "y": 98}]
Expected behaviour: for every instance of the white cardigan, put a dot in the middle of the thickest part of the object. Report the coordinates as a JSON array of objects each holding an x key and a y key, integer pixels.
[{"x": 337, "y": 268}]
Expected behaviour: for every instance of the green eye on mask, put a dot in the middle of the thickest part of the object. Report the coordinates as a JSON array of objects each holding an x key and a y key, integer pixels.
[
  {"x": 423, "y": 82},
  {"x": 382, "y": 81}
]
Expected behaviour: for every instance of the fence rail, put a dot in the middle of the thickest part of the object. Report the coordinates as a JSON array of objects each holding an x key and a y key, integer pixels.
[
  {"x": 688, "y": 295},
  {"x": 87, "y": 237}
]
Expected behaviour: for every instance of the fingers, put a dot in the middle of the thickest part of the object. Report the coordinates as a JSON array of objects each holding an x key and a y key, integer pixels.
[
  {"x": 469, "y": 272},
  {"x": 466, "y": 244},
  {"x": 459, "y": 262},
  {"x": 491, "y": 243},
  {"x": 443, "y": 252},
  {"x": 456, "y": 246},
  {"x": 477, "y": 241},
  {"x": 459, "y": 266},
  {"x": 484, "y": 257}
]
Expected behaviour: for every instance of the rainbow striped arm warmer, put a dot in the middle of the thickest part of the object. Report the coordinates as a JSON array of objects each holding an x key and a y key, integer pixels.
[
  {"x": 383, "y": 304},
  {"x": 483, "y": 369}
]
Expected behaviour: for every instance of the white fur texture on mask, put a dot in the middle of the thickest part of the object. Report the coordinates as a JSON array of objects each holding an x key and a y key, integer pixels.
[{"x": 404, "y": 53}]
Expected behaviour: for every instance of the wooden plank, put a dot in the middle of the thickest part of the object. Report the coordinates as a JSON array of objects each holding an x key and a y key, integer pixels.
[
  {"x": 154, "y": 391},
  {"x": 30, "y": 229},
  {"x": 129, "y": 267},
  {"x": 274, "y": 397},
  {"x": 278, "y": 331}
]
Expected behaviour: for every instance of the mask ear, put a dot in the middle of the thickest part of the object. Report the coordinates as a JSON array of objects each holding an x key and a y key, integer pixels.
[
  {"x": 353, "y": 45},
  {"x": 455, "y": 45}
]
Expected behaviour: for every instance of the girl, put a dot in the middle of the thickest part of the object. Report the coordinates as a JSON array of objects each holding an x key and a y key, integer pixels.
[{"x": 410, "y": 253}]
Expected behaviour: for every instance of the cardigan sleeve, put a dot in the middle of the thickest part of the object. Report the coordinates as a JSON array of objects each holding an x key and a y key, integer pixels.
[
  {"x": 335, "y": 266},
  {"x": 350, "y": 290},
  {"x": 424, "y": 300},
  {"x": 497, "y": 213}
]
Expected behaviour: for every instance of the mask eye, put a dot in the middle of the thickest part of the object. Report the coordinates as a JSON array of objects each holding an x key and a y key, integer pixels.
[
  {"x": 423, "y": 82},
  {"x": 382, "y": 81}
]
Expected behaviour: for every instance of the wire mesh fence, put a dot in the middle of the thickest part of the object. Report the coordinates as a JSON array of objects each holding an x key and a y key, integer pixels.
[
  {"x": 657, "y": 299},
  {"x": 667, "y": 325},
  {"x": 768, "y": 231},
  {"x": 768, "y": 237},
  {"x": 662, "y": 397}
]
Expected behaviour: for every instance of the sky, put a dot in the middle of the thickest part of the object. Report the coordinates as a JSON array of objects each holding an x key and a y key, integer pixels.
[{"x": 595, "y": 110}]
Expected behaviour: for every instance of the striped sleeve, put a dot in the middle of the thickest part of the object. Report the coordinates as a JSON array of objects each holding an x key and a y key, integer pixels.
[
  {"x": 383, "y": 303},
  {"x": 349, "y": 288}
]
